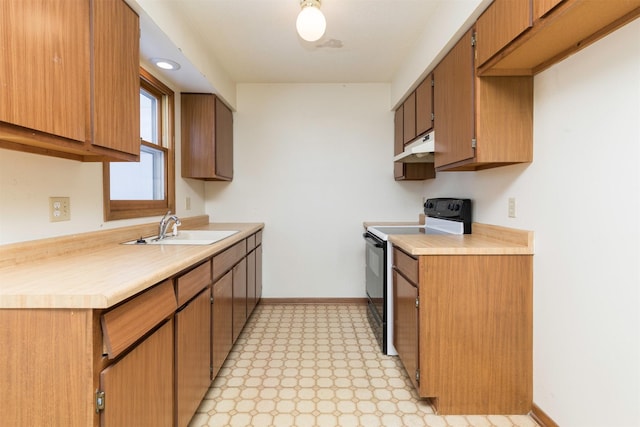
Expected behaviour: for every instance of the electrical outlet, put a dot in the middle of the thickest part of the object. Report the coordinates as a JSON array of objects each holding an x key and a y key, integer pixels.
[
  {"x": 512, "y": 207},
  {"x": 59, "y": 209},
  {"x": 187, "y": 203}
]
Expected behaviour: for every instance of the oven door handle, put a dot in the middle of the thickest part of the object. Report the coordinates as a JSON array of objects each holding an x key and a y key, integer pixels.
[{"x": 376, "y": 242}]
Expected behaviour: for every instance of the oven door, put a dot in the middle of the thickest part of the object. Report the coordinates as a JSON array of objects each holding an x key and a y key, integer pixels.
[{"x": 376, "y": 268}]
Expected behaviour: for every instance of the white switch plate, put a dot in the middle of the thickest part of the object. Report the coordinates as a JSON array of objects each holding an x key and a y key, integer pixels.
[
  {"x": 512, "y": 207},
  {"x": 59, "y": 209}
]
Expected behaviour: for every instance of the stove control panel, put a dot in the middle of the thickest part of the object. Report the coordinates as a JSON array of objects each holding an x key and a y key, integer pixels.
[{"x": 449, "y": 208}]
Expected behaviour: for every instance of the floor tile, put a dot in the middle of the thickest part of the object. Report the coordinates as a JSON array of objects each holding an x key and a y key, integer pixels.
[{"x": 319, "y": 365}]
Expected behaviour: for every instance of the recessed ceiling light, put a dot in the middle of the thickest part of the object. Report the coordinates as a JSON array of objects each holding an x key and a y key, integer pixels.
[{"x": 165, "y": 64}]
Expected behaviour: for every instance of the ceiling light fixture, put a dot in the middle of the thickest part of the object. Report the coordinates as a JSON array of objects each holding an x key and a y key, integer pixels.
[
  {"x": 165, "y": 64},
  {"x": 311, "y": 22}
]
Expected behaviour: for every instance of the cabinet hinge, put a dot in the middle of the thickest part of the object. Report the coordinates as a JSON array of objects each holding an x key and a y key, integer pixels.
[
  {"x": 211, "y": 299},
  {"x": 433, "y": 82},
  {"x": 418, "y": 375},
  {"x": 417, "y": 303},
  {"x": 473, "y": 143},
  {"x": 473, "y": 40},
  {"x": 99, "y": 401},
  {"x": 433, "y": 116}
]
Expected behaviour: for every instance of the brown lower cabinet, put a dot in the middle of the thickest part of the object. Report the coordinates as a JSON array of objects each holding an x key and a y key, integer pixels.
[
  {"x": 145, "y": 362},
  {"x": 139, "y": 386},
  {"x": 463, "y": 330},
  {"x": 192, "y": 348},
  {"x": 221, "y": 322},
  {"x": 239, "y": 297}
]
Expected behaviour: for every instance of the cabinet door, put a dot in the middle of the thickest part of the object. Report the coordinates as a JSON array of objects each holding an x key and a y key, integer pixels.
[
  {"x": 542, "y": 7},
  {"x": 116, "y": 76},
  {"x": 221, "y": 322},
  {"x": 192, "y": 341},
  {"x": 405, "y": 324},
  {"x": 409, "y": 119},
  {"x": 424, "y": 106},
  {"x": 398, "y": 141},
  {"x": 239, "y": 297},
  {"x": 501, "y": 23},
  {"x": 139, "y": 387},
  {"x": 258, "y": 273},
  {"x": 224, "y": 140},
  {"x": 453, "y": 104},
  {"x": 45, "y": 66},
  {"x": 251, "y": 282},
  {"x": 207, "y": 137}
]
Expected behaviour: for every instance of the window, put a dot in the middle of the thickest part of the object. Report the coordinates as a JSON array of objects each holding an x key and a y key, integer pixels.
[{"x": 145, "y": 188}]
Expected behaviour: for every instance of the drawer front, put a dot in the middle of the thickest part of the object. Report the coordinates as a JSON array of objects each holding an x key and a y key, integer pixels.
[
  {"x": 251, "y": 243},
  {"x": 189, "y": 284},
  {"x": 128, "y": 322},
  {"x": 258, "y": 238},
  {"x": 406, "y": 264},
  {"x": 227, "y": 259}
]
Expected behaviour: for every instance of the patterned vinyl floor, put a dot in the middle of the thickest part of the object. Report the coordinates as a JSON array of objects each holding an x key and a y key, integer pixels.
[{"x": 319, "y": 365}]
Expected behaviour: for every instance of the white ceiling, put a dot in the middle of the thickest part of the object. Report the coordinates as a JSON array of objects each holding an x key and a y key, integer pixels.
[{"x": 255, "y": 41}]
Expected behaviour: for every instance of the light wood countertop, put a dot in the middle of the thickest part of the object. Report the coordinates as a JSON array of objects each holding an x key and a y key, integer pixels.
[
  {"x": 102, "y": 276},
  {"x": 484, "y": 239}
]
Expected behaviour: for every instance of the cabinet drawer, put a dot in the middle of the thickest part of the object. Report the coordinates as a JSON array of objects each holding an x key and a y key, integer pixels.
[
  {"x": 227, "y": 259},
  {"x": 128, "y": 322},
  {"x": 406, "y": 265},
  {"x": 251, "y": 243},
  {"x": 189, "y": 284},
  {"x": 258, "y": 238}
]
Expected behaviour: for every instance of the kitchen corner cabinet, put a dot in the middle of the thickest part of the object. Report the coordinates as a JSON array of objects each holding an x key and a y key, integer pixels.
[
  {"x": 207, "y": 138},
  {"x": 407, "y": 171},
  {"x": 464, "y": 332},
  {"x": 70, "y": 79},
  {"x": 480, "y": 122},
  {"x": 525, "y": 37}
]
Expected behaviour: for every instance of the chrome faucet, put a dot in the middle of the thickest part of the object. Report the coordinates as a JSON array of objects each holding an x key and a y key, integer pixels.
[{"x": 164, "y": 224}]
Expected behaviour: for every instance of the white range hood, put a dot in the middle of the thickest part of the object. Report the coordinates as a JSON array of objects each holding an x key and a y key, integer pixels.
[{"x": 419, "y": 151}]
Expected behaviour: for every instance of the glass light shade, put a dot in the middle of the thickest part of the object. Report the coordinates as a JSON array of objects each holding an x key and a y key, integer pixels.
[{"x": 311, "y": 23}]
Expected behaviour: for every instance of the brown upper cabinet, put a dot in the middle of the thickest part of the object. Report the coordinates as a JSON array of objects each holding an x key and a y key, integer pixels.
[
  {"x": 407, "y": 171},
  {"x": 526, "y": 37},
  {"x": 542, "y": 7},
  {"x": 207, "y": 138},
  {"x": 71, "y": 79},
  {"x": 480, "y": 122},
  {"x": 501, "y": 23},
  {"x": 413, "y": 118},
  {"x": 409, "y": 118},
  {"x": 424, "y": 106}
]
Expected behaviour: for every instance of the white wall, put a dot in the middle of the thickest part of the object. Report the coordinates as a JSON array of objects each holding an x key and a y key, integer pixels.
[
  {"x": 586, "y": 274},
  {"x": 28, "y": 180},
  {"x": 313, "y": 162}
]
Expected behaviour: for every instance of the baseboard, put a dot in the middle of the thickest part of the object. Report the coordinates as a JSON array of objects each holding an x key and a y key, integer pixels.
[
  {"x": 354, "y": 301},
  {"x": 541, "y": 417}
]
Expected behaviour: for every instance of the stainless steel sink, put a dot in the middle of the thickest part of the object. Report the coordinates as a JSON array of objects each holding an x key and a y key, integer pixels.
[{"x": 187, "y": 237}]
